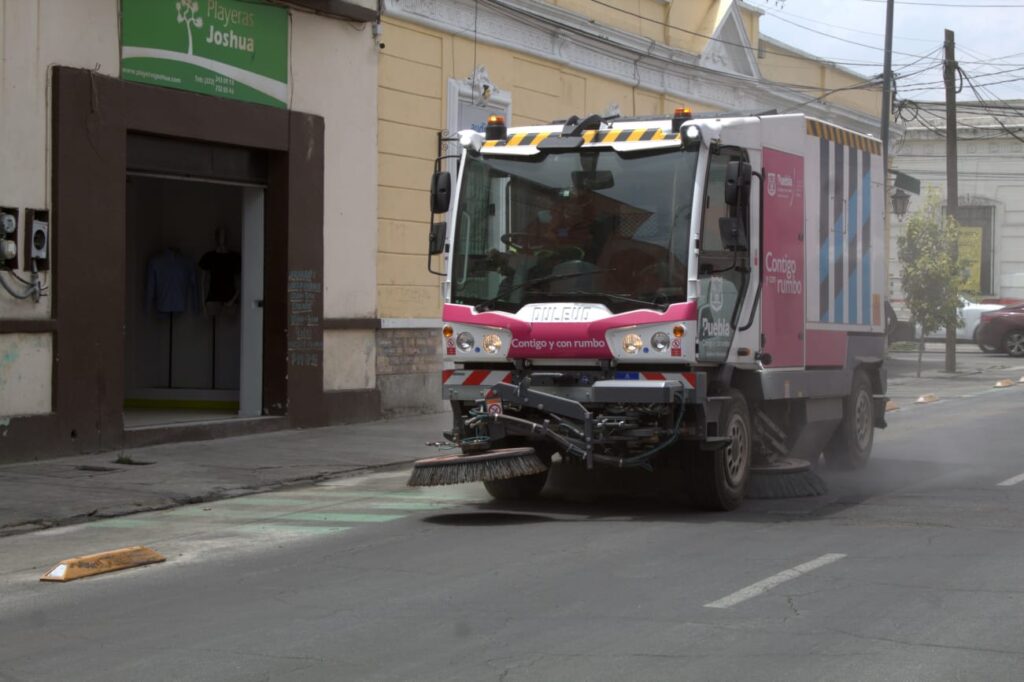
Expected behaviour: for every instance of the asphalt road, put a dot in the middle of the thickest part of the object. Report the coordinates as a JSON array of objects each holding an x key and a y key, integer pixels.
[{"x": 912, "y": 569}]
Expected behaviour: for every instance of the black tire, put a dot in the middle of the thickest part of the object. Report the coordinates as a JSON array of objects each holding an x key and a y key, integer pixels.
[
  {"x": 850, "y": 446},
  {"x": 718, "y": 480},
  {"x": 1013, "y": 343},
  {"x": 521, "y": 488},
  {"x": 984, "y": 348}
]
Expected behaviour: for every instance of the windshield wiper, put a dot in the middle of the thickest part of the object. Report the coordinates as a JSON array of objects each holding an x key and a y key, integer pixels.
[
  {"x": 532, "y": 282},
  {"x": 619, "y": 297}
]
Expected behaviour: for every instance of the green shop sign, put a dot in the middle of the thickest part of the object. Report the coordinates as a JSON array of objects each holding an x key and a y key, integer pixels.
[{"x": 236, "y": 49}]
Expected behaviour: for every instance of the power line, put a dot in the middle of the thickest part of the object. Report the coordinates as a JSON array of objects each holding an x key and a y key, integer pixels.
[
  {"x": 951, "y": 5},
  {"x": 865, "y": 85},
  {"x": 843, "y": 40},
  {"x": 974, "y": 89},
  {"x": 728, "y": 42},
  {"x": 778, "y": 14}
]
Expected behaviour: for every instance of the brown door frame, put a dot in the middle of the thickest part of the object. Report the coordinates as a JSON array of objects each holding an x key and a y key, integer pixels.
[{"x": 92, "y": 116}]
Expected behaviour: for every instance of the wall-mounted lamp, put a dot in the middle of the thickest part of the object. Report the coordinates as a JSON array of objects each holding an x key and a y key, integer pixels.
[{"x": 900, "y": 201}]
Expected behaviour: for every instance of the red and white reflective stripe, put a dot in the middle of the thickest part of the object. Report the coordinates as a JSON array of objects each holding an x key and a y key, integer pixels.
[
  {"x": 476, "y": 377},
  {"x": 689, "y": 379}
]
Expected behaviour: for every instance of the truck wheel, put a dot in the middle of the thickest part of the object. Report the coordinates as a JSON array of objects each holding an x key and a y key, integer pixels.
[
  {"x": 521, "y": 488},
  {"x": 1014, "y": 344},
  {"x": 718, "y": 480},
  {"x": 850, "y": 446}
]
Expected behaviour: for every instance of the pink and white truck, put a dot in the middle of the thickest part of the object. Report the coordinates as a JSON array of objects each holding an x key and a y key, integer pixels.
[{"x": 703, "y": 293}]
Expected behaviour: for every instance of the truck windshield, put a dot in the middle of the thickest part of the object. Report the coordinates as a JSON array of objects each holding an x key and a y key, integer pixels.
[{"x": 587, "y": 225}]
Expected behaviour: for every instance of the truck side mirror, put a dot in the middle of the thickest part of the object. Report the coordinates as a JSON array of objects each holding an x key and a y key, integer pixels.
[
  {"x": 737, "y": 183},
  {"x": 438, "y": 232},
  {"x": 733, "y": 234},
  {"x": 440, "y": 192}
]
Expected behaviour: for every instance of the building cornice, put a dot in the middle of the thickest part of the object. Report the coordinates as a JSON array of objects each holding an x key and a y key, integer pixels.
[{"x": 552, "y": 33}]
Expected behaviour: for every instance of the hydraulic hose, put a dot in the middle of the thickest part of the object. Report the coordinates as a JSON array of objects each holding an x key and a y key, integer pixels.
[{"x": 571, "y": 448}]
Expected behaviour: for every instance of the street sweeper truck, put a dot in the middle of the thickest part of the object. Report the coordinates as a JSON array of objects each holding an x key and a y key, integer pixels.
[{"x": 697, "y": 293}]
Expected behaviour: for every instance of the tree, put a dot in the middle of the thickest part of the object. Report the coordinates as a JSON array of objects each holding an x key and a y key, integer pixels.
[{"x": 931, "y": 273}]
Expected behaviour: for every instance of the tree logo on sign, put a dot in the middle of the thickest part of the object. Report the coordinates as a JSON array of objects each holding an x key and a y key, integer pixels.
[{"x": 188, "y": 14}]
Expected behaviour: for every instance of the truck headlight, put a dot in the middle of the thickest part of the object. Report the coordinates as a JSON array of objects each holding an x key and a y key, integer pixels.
[
  {"x": 659, "y": 341},
  {"x": 492, "y": 343},
  {"x": 465, "y": 341},
  {"x": 632, "y": 343}
]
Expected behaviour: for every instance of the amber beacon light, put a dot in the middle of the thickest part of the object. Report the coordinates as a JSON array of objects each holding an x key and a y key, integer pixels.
[{"x": 495, "y": 127}]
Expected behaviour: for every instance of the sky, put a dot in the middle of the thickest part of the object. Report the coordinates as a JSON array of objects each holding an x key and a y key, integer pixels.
[{"x": 989, "y": 37}]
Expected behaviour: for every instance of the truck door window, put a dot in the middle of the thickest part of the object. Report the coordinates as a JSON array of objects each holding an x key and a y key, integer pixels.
[{"x": 722, "y": 273}]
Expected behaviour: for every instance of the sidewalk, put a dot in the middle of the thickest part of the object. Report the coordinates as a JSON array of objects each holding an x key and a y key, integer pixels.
[
  {"x": 975, "y": 370},
  {"x": 54, "y": 492},
  {"x": 35, "y": 495}
]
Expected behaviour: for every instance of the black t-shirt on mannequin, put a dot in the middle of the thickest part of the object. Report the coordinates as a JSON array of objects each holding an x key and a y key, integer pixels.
[{"x": 224, "y": 268}]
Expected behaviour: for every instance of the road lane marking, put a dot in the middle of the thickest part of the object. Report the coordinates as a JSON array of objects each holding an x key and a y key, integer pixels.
[
  {"x": 763, "y": 586},
  {"x": 1013, "y": 481}
]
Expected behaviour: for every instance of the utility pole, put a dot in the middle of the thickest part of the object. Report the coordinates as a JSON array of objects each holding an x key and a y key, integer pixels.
[
  {"x": 949, "y": 73},
  {"x": 887, "y": 94},
  {"x": 886, "y": 115}
]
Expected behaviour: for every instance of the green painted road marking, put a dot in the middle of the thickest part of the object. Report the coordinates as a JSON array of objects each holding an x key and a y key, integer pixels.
[
  {"x": 284, "y": 528},
  {"x": 125, "y": 523},
  {"x": 256, "y": 514},
  {"x": 455, "y": 495},
  {"x": 398, "y": 505},
  {"x": 265, "y": 500}
]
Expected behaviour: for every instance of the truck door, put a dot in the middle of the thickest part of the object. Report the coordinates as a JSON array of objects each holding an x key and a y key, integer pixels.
[{"x": 722, "y": 273}]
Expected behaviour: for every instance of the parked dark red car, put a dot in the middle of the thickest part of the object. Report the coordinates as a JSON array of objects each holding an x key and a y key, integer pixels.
[{"x": 1003, "y": 330}]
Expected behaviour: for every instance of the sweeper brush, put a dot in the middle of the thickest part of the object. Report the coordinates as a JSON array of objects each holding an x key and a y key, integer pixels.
[
  {"x": 493, "y": 465},
  {"x": 784, "y": 478}
]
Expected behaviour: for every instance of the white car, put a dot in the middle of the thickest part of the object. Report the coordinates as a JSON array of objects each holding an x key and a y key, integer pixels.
[{"x": 970, "y": 318}]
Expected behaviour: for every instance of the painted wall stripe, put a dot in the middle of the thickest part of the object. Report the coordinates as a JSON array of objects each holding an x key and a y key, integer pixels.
[{"x": 763, "y": 586}]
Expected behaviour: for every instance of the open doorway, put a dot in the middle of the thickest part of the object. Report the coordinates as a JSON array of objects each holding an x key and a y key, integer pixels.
[{"x": 193, "y": 301}]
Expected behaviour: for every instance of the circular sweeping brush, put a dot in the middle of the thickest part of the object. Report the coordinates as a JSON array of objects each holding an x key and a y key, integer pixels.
[
  {"x": 783, "y": 478},
  {"x": 493, "y": 465}
]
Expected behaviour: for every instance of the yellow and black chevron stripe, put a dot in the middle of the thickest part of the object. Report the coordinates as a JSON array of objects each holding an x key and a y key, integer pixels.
[
  {"x": 843, "y": 137},
  {"x": 590, "y": 137}
]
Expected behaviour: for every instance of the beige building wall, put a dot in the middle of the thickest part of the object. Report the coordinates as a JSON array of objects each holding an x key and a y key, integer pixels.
[
  {"x": 334, "y": 75},
  {"x": 34, "y": 35},
  {"x": 785, "y": 65}
]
